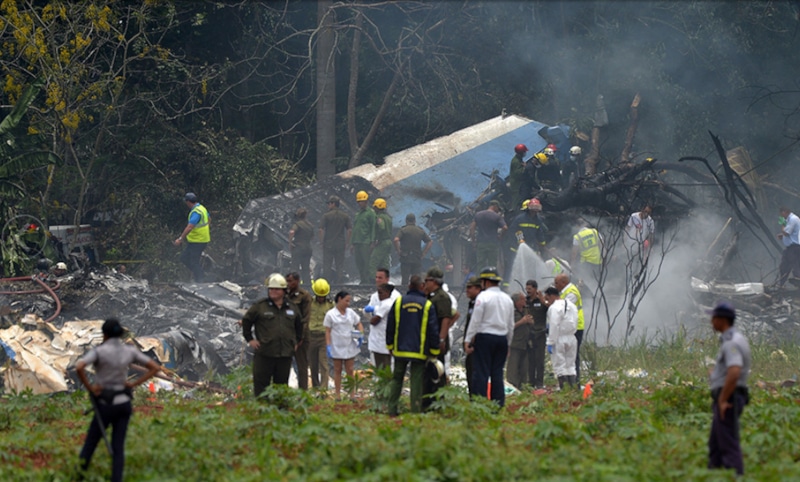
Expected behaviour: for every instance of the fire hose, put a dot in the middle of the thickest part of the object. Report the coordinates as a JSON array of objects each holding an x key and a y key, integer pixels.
[{"x": 45, "y": 288}]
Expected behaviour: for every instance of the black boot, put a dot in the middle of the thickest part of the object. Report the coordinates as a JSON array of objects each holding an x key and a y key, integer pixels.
[{"x": 572, "y": 380}]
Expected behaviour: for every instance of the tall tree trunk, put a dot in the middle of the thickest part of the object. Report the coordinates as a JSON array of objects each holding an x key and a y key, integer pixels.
[
  {"x": 326, "y": 91},
  {"x": 634, "y": 116},
  {"x": 352, "y": 91},
  {"x": 387, "y": 97}
]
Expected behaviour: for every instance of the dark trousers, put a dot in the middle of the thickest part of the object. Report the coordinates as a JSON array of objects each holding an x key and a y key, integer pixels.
[
  {"x": 191, "y": 257},
  {"x": 416, "y": 382},
  {"x": 536, "y": 359},
  {"x": 333, "y": 256},
  {"x": 301, "y": 359},
  {"x": 409, "y": 268},
  {"x": 579, "y": 337},
  {"x": 469, "y": 368},
  {"x": 116, "y": 416},
  {"x": 268, "y": 370},
  {"x": 382, "y": 360},
  {"x": 301, "y": 261},
  {"x": 724, "y": 450},
  {"x": 790, "y": 263},
  {"x": 517, "y": 370},
  {"x": 318, "y": 359},
  {"x": 489, "y": 359}
]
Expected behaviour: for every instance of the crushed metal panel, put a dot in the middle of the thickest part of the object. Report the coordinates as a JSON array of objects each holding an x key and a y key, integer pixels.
[{"x": 227, "y": 296}]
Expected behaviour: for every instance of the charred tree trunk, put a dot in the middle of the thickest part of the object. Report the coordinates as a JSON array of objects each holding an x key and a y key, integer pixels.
[{"x": 634, "y": 116}]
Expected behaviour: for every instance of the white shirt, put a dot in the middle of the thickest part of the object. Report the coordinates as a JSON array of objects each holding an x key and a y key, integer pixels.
[
  {"x": 638, "y": 230},
  {"x": 792, "y": 230},
  {"x": 563, "y": 320},
  {"x": 343, "y": 346},
  {"x": 493, "y": 315},
  {"x": 377, "y": 333}
]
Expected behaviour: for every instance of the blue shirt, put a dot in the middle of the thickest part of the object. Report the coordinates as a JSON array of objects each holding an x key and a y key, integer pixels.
[{"x": 194, "y": 217}]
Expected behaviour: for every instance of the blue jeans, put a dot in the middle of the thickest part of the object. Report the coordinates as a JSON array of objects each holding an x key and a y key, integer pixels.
[{"x": 489, "y": 359}]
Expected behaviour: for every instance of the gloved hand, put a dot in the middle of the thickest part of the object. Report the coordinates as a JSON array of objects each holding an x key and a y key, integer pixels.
[
  {"x": 328, "y": 350},
  {"x": 550, "y": 349},
  {"x": 360, "y": 341},
  {"x": 369, "y": 309}
]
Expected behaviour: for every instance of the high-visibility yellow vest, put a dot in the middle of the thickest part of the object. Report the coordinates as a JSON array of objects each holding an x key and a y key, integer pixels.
[
  {"x": 571, "y": 288},
  {"x": 423, "y": 331},
  {"x": 200, "y": 233},
  {"x": 589, "y": 242}
]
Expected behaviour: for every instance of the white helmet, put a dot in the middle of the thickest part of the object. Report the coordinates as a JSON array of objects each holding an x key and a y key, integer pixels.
[
  {"x": 276, "y": 280},
  {"x": 575, "y": 150},
  {"x": 61, "y": 265},
  {"x": 549, "y": 152}
]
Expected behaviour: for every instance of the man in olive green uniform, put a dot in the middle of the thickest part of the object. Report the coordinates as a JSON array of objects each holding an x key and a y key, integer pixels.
[
  {"x": 302, "y": 299},
  {"x": 516, "y": 172},
  {"x": 278, "y": 329},
  {"x": 335, "y": 229},
  {"x": 383, "y": 237},
  {"x": 317, "y": 350},
  {"x": 363, "y": 237},
  {"x": 300, "y": 236},
  {"x": 407, "y": 242},
  {"x": 519, "y": 353}
]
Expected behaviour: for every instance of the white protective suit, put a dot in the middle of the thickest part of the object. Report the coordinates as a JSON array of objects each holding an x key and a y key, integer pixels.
[{"x": 562, "y": 317}]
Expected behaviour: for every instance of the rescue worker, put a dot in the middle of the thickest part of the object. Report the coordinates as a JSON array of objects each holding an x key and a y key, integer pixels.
[
  {"x": 344, "y": 335},
  {"x": 407, "y": 243},
  {"x": 571, "y": 169},
  {"x": 562, "y": 317},
  {"x": 335, "y": 229},
  {"x": 363, "y": 237},
  {"x": 60, "y": 269},
  {"x": 473, "y": 289},
  {"x": 302, "y": 299},
  {"x": 638, "y": 236},
  {"x": 278, "y": 329},
  {"x": 729, "y": 393},
  {"x": 489, "y": 336},
  {"x": 537, "y": 306},
  {"x": 382, "y": 250},
  {"x": 790, "y": 235},
  {"x": 548, "y": 170},
  {"x": 527, "y": 227},
  {"x": 111, "y": 393},
  {"x": 197, "y": 236},
  {"x": 567, "y": 290},
  {"x": 412, "y": 331},
  {"x": 587, "y": 248},
  {"x": 516, "y": 174},
  {"x": 301, "y": 235},
  {"x": 317, "y": 349},
  {"x": 487, "y": 227},
  {"x": 518, "y": 357},
  {"x": 376, "y": 310},
  {"x": 445, "y": 311}
]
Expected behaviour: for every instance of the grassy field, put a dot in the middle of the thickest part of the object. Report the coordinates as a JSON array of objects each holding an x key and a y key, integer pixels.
[{"x": 648, "y": 419}]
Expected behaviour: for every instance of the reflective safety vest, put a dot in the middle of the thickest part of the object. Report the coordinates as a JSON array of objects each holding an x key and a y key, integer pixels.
[
  {"x": 589, "y": 242},
  {"x": 412, "y": 307},
  {"x": 571, "y": 288},
  {"x": 200, "y": 233}
]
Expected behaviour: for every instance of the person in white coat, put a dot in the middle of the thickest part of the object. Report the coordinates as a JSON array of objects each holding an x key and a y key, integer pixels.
[
  {"x": 379, "y": 305},
  {"x": 562, "y": 318},
  {"x": 343, "y": 341}
]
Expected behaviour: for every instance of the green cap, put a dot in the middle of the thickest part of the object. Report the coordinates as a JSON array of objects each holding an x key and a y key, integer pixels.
[
  {"x": 474, "y": 281},
  {"x": 436, "y": 273}
]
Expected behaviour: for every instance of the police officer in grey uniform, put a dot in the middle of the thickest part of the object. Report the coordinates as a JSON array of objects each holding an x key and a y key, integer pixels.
[{"x": 728, "y": 391}]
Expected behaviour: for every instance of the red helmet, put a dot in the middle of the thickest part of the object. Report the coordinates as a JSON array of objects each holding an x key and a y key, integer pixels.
[
  {"x": 552, "y": 146},
  {"x": 521, "y": 149}
]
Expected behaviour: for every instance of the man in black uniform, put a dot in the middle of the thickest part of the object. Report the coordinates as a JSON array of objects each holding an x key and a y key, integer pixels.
[
  {"x": 335, "y": 229},
  {"x": 537, "y": 308},
  {"x": 303, "y": 300},
  {"x": 278, "y": 329},
  {"x": 407, "y": 243}
]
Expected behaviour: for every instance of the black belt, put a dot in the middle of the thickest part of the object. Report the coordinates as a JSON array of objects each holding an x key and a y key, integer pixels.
[{"x": 743, "y": 391}]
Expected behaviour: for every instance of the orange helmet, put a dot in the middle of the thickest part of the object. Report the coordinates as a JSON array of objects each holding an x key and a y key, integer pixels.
[{"x": 521, "y": 149}]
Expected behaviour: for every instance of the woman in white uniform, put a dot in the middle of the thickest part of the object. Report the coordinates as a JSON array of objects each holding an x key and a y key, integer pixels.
[{"x": 344, "y": 343}]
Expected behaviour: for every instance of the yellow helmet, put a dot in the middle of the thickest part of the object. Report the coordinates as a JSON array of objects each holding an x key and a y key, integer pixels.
[
  {"x": 276, "y": 280},
  {"x": 362, "y": 196},
  {"x": 379, "y": 203},
  {"x": 525, "y": 204},
  {"x": 320, "y": 287},
  {"x": 541, "y": 157}
]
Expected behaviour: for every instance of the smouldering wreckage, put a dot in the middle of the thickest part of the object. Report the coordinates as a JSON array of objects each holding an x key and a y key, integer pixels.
[{"x": 192, "y": 330}]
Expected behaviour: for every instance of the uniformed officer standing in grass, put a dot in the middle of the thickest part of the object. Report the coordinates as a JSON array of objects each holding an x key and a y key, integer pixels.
[
  {"x": 728, "y": 391},
  {"x": 278, "y": 327}
]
